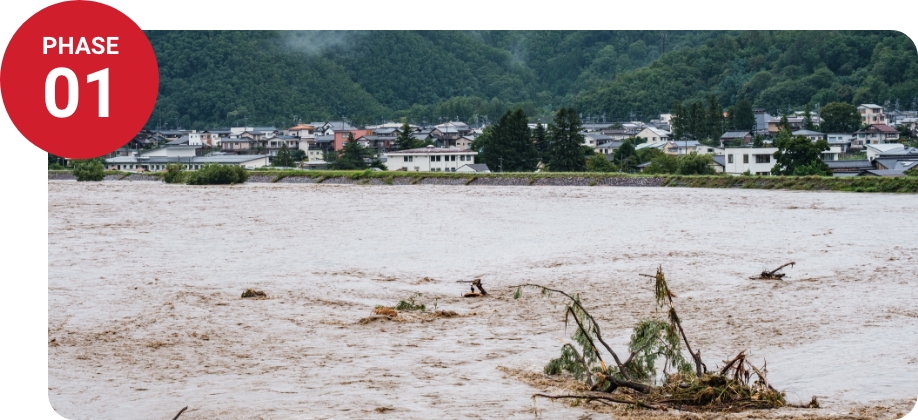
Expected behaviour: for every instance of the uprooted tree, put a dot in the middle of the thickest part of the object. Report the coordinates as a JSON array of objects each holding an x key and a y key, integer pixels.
[{"x": 635, "y": 379}]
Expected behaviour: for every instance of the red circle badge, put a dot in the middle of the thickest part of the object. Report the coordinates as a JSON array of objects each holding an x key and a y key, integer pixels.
[{"x": 79, "y": 79}]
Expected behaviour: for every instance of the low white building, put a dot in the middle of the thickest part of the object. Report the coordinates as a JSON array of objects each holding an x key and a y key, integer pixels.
[
  {"x": 873, "y": 150},
  {"x": 141, "y": 163},
  {"x": 430, "y": 159},
  {"x": 756, "y": 160}
]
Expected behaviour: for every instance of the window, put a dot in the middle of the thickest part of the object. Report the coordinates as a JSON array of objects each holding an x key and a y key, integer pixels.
[
  {"x": 762, "y": 158},
  {"x": 729, "y": 158},
  {"x": 745, "y": 158},
  {"x": 452, "y": 158}
]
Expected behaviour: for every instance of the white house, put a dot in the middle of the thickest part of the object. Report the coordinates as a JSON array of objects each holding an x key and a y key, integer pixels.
[
  {"x": 653, "y": 135},
  {"x": 756, "y": 160},
  {"x": 842, "y": 140},
  {"x": 430, "y": 159},
  {"x": 873, "y": 150}
]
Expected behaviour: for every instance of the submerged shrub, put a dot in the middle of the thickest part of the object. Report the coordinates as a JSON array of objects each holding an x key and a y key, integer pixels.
[
  {"x": 215, "y": 174},
  {"x": 174, "y": 174},
  {"x": 89, "y": 170}
]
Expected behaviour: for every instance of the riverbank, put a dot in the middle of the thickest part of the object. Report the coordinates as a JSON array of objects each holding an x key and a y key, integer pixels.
[{"x": 809, "y": 183}]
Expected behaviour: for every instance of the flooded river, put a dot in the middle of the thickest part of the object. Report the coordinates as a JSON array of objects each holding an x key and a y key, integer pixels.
[{"x": 145, "y": 315}]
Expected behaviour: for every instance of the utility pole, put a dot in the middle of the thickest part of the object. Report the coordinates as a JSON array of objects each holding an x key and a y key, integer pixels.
[{"x": 501, "y": 159}]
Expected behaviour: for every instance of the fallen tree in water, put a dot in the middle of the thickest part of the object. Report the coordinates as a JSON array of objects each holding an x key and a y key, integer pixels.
[
  {"x": 773, "y": 274},
  {"x": 634, "y": 380}
]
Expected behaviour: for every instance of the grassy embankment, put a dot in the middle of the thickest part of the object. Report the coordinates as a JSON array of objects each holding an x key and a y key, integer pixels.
[{"x": 907, "y": 184}]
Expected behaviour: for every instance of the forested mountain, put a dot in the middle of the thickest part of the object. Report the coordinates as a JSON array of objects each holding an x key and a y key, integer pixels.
[{"x": 219, "y": 78}]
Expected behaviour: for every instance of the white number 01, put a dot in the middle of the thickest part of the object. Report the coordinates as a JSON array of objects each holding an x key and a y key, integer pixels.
[{"x": 73, "y": 91}]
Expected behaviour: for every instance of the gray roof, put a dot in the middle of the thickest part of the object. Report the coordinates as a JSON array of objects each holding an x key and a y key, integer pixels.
[
  {"x": 735, "y": 134},
  {"x": 849, "y": 164},
  {"x": 424, "y": 150},
  {"x": 614, "y": 144},
  {"x": 884, "y": 172},
  {"x": 263, "y": 129},
  {"x": 597, "y": 136},
  {"x": 196, "y": 159},
  {"x": 897, "y": 164},
  {"x": 807, "y": 133},
  {"x": 685, "y": 143},
  {"x": 720, "y": 160},
  {"x": 479, "y": 167},
  {"x": 385, "y": 130},
  {"x": 178, "y": 141},
  {"x": 324, "y": 139}
]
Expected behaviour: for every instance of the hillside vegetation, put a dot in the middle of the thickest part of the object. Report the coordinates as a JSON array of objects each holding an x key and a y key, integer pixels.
[{"x": 220, "y": 78}]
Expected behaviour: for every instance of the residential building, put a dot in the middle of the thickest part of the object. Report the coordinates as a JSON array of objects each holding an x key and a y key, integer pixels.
[
  {"x": 840, "y": 140},
  {"x": 340, "y": 136},
  {"x": 618, "y": 133},
  {"x": 609, "y": 147},
  {"x": 877, "y": 134},
  {"x": 594, "y": 139},
  {"x": 871, "y": 114},
  {"x": 652, "y": 135},
  {"x": 430, "y": 159},
  {"x": 812, "y": 135},
  {"x": 755, "y": 160},
  {"x": 744, "y": 137},
  {"x": 796, "y": 123},
  {"x": 849, "y": 167}
]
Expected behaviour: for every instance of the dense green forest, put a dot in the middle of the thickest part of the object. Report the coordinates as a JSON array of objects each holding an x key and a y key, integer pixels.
[{"x": 221, "y": 78}]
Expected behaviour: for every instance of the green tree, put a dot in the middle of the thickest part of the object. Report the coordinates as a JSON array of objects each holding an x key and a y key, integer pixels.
[
  {"x": 89, "y": 169},
  {"x": 808, "y": 118},
  {"x": 298, "y": 155},
  {"x": 541, "y": 141},
  {"x": 714, "y": 119},
  {"x": 678, "y": 120},
  {"x": 599, "y": 163},
  {"x": 566, "y": 141},
  {"x": 784, "y": 124},
  {"x": 351, "y": 156},
  {"x": 758, "y": 141},
  {"x": 695, "y": 164},
  {"x": 839, "y": 117},
  {"x": 745, "y": 117},
  {"x": 217, "y": 174},
  {"x": 406, "y": 139},
  {"x": 663, "y": 164},
  {"x": 174, "y": 174},
  {"x": 799, "y": 156},
  {"x": 56, "y": 162},
  {"x": 625, "y": 156},
  {"x": 507, "y": 145},
  {"x": 283, "y": 158}
]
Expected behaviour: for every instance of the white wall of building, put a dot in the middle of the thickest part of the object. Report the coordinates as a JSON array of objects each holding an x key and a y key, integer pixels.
[
  {"x": 429, "y": 162},
  {"x": 756, "y": 160}
]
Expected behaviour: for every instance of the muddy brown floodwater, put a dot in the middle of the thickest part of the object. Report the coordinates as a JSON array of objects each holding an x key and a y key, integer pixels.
[{"x": 145, "y": 315}]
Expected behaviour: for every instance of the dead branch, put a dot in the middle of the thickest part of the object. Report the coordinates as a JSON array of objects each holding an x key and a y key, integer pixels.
[
  {"x": 773, "y": 274},
  {"x": 474, "y": 283},
  {"x": 180, "y": 413},
  {"x": 601, "y": 397}
]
